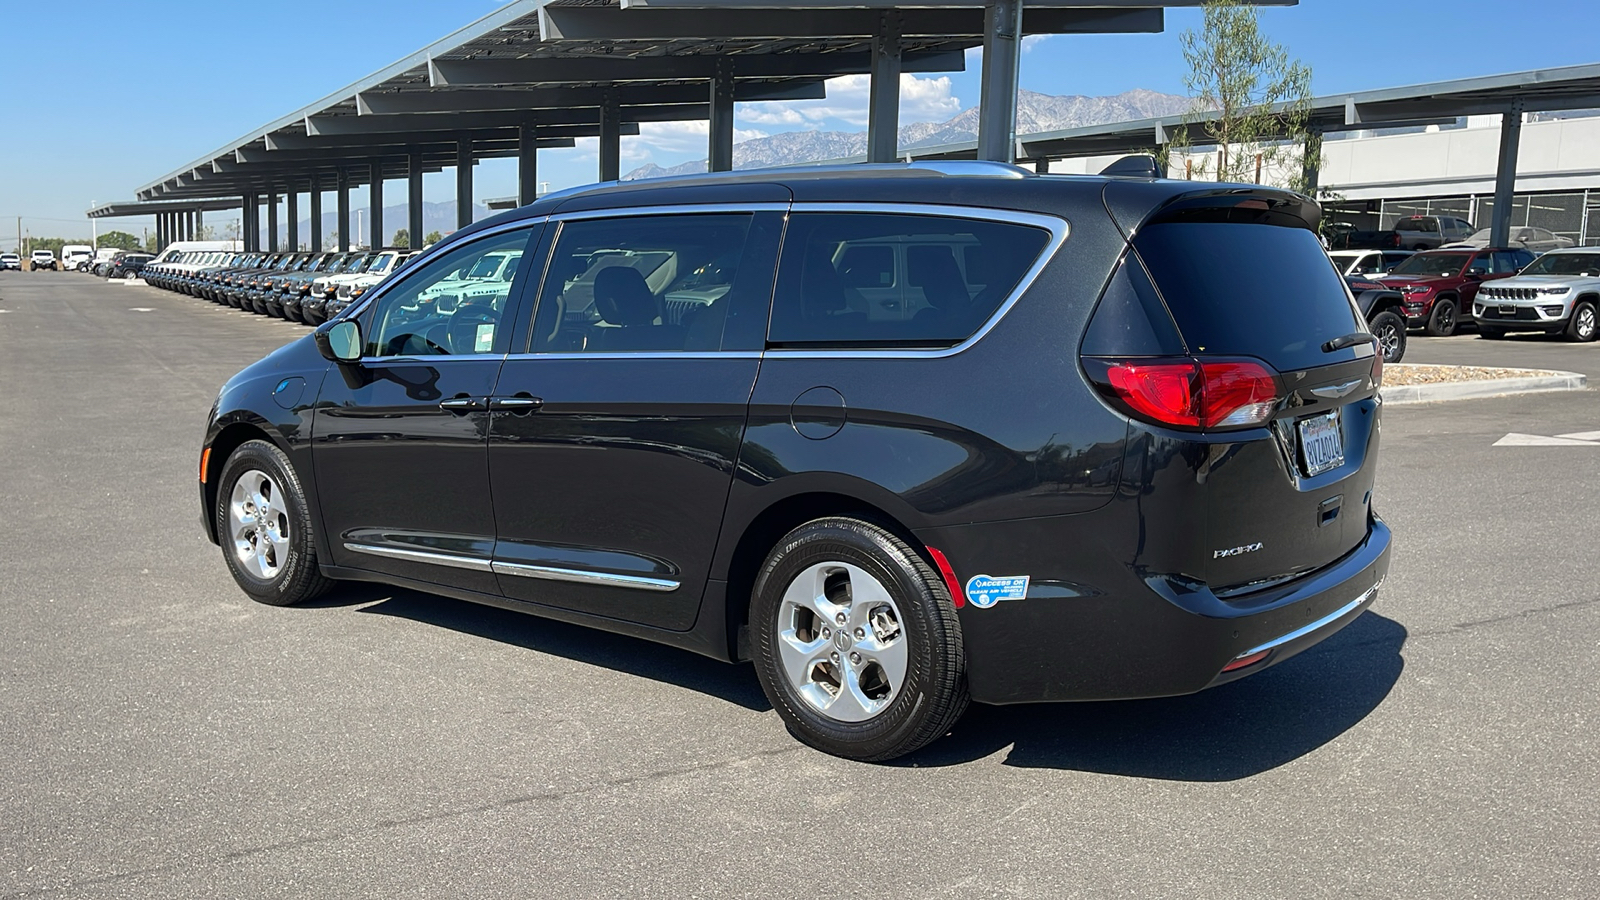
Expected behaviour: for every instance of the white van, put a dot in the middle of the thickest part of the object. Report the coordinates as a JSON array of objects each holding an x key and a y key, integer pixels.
[{"x": 73, "y": 254}]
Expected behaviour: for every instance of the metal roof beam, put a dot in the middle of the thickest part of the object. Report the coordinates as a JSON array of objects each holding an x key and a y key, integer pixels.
[
  {"x": 601, "y": 23},
  {"x": 280, "y": 142},
  {"x": 442, "y": 151},
  {"x": 1385, "y": 114},
  {"x": 538, "y": 70},
  {"x": 424, "y": 122},
  {"x": 929, "y": 4},
  {"x": 372, "y": 104}
]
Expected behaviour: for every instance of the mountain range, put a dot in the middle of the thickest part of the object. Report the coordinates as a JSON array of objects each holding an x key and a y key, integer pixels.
[{"x": 1036, "y": 112}]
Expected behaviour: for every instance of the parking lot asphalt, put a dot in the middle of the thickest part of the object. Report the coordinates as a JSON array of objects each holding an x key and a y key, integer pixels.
[{"x": 162, "y": 736}]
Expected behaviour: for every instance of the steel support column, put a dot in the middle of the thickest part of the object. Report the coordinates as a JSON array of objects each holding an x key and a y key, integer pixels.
[
  {"x": 291, "y": 208},
  {"x": 883, "y": 103},
  {"x": 610, "y": 138},
  {"x": 315, "y": 203},
  {"x": 161, "y": 232},
  {"x": 248, "y": 217},
  {"x": 1505, "y": 177},
  {"x": 527, "y": 164},
  {"x": 414, "y": 198},
  {"x": 375, "y": 207},
  {"x": 997, "y": 104},
  {"x": 463, "y": 183},
  {"x": 344, "y": 240},
  {"x": 720, "y": 150},
  {"x": 272, "y": 220},
  {"x": 200, "y": 223}
]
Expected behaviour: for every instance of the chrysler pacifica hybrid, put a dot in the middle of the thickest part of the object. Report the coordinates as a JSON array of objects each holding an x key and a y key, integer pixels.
[{"x": 904, "y": 437}]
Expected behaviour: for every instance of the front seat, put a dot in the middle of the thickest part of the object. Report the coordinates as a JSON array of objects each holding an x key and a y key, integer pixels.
[
  {"x": 623, "y": 299},
  {"x": 932, "y": 267}
]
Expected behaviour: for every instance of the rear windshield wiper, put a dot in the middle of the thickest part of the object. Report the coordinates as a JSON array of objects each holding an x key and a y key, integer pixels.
[{"x": 1349, "y": 340}]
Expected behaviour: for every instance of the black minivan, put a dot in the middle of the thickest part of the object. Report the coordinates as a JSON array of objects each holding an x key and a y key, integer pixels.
[{"x": 903, "y": 436}]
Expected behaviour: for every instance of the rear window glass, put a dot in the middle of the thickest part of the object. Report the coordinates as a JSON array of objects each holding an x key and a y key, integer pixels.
[
  {"x": 866, "y": 279},
  {"x": 1415, "y": 225},
  {"x": 1266, "y": 291}
]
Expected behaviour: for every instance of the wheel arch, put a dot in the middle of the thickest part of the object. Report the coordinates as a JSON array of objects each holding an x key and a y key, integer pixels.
[
  {"x": 767, "y": 527},
  {"x": 228, "y": 438}
]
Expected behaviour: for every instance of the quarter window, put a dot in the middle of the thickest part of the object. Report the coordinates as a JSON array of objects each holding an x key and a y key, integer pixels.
[
  {"x": 660, "y": 283},
  {"x": 453, "y": 305},
  {"x": 891, "y": 280}
]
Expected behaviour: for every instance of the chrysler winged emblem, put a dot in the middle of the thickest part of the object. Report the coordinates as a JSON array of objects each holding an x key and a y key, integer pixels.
[{"x": 1335, "y": 391}]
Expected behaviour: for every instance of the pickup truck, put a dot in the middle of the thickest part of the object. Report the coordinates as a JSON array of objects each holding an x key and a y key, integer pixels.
[{"x": 1410, "y": 233}]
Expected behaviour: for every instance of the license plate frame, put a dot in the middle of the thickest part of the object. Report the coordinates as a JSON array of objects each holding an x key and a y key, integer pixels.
[
  {"x": 1321, "y": 443},
  {"x": 1508, "y": 311}
]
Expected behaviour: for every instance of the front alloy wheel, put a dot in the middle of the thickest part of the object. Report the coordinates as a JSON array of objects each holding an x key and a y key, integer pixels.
[{"x": 264, "y": 526}]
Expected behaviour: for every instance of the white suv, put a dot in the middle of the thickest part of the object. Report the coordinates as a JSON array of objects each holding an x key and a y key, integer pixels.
[
  {"x": 1558, "y": 293},
  {"x": 43, "y": 259}
]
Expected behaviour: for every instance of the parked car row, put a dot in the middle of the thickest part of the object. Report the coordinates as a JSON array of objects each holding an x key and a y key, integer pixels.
[{"x": 295, "y": 285}]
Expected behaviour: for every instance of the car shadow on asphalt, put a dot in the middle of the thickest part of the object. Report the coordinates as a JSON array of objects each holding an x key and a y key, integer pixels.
[
  {"x": 1224, "y": 734},
  {"x": 631, "y": 656}
]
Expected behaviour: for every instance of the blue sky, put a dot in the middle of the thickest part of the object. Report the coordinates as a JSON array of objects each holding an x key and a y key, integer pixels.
[{"x": 95, "y": 111}]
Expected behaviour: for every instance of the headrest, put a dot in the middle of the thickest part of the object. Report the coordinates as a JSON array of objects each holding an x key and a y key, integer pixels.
[
  {"x": 622, "y": 297},
  {"x": 931, "y": 264}
]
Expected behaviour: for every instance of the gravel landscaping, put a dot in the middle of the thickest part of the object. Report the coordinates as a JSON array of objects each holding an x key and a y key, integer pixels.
[{"x": 1397, "y": 374}]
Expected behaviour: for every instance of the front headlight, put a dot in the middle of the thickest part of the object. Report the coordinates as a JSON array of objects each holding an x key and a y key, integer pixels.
[
  {"x": 1555, "y": 291},
  {"x": 1415, "y": 289}
]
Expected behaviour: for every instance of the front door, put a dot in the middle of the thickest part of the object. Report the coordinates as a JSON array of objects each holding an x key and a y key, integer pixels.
[
  {"x": 614, "y": 439},
  {"x": 400, "y": 440}
]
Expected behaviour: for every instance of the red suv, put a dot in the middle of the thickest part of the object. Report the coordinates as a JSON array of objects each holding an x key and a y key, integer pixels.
[{"x": 1438, "y": 284}]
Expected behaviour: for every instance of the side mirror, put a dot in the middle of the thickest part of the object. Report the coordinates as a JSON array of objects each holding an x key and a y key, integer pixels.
[
  {"x": 1477, "y": 272},
  {"x": 339, "y": 341}
]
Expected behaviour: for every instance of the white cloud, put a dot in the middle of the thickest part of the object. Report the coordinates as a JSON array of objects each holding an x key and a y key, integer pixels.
[
  {"x": 921, "y": 100},
  {"x": 1033, "y": 40}
]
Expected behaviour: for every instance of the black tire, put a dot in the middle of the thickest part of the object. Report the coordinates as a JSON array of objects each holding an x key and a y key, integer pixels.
[
  {"x": 129, "y": 275},
  {"x": 933, "y": 692},
  {"x": 1492, "y": 333},
  {"x": 1391, "y": 333},
  {"x": 295, "y": 578},
  {"x": 1443, "y": 320},
  {"x": 1584, "y": 324}
]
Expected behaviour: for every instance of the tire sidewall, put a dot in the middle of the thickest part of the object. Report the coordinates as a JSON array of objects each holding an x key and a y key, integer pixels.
[
  {"x": 288, "y": 585},
  {"x": 1394, "y": 321},
  {"x": 1434, "y": 327},
  {"x": 1572, "y": 330},
  {"x": 863, "y": 545}
]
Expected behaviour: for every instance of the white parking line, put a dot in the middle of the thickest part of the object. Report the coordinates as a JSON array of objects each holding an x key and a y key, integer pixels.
[{"x": 1587, "y": 439}]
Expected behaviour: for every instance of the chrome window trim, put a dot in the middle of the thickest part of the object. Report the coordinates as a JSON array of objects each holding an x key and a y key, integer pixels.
[
  {"x": 583, "y": 576},
  {"x": 620, "y": 212},
  {"x": 452, "y": 560},
  {"x": 383, "y": 287},
  {"x": 640, "y": 354},
  {"x": 1058, "y": 228}
]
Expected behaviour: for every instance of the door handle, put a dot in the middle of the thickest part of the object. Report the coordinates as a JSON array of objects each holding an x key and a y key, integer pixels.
[
  {"x": 515, "y": 404},
  {"x": 461, "y": 404}
]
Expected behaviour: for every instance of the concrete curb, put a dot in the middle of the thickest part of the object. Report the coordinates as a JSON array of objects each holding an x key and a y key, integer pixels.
[{"x": 1471, "y": 390}]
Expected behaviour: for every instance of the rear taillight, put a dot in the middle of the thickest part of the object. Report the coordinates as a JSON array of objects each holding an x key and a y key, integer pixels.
[
  {"x": 1195, "y": 393},
  {"x": 1377, "y": 370}
]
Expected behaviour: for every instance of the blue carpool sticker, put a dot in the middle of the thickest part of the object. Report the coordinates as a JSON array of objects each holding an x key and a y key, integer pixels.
[{"x": 984, "y": 591}]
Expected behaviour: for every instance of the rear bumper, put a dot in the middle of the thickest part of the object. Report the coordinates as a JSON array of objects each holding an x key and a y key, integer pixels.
[{"x": 1127, "y": 635}]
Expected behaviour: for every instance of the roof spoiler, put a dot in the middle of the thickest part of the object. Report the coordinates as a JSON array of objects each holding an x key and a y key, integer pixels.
[{"x": 1141, "y": 165}]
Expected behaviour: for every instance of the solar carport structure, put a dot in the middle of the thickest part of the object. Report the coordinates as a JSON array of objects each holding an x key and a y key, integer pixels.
[
  {"x": 1508, "y": 96},
  {"x": 541, "y": 73}
]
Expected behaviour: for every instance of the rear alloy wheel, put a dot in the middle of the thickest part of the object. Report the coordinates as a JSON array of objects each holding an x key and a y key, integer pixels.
[
  {"x": 1442, "y": 323},
  {"x": 1390, "y": 330},
  {"x": 1583, "y": 325},
  {"x": 856, "y": 641},
  {"x": 264, "y": 526}
]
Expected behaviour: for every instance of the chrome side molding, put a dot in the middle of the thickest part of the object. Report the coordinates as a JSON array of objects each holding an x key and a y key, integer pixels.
[{"x": 582, "y": 576}]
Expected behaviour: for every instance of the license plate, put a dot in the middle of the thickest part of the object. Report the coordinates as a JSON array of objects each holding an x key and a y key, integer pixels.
[
  {"x": 1509, "y": 312},
  {"x": 1321, "y": 443}
]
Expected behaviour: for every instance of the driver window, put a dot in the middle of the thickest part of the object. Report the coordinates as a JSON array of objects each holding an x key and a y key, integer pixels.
[{"x": 454, "y": 305}]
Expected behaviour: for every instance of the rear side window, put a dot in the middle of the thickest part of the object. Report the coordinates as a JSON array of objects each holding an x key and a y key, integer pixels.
[
  {"x": 1265, "y": 291},
  {"x": 890, "y": 280}
]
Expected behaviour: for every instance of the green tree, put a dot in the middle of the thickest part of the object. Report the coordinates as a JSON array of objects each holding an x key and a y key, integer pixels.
[
  {"x": 120, "y": 240},
  {"x": 1249, "y": 99},
  {"x": 402, "y": 239},
  {"x": 433, "y": 237}
]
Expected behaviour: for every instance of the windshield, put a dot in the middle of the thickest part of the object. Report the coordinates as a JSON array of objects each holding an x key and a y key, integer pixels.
[
  {"x": 1433, "y": 265},
  {"x": 1565, "y": 264},
  {"x": 487, "y": 267},
  {"x": 378, "y": 264}
]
